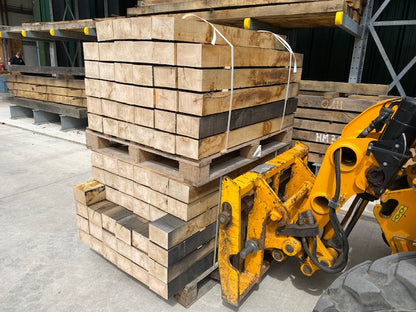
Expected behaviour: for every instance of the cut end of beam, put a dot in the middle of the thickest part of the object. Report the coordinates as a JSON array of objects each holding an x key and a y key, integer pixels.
[
  {"x": 338, "y": 18},
  {"x": 247, "y": 22},
  {"x": 24, "y": 33},
  {"x": 52, "y": 32},
  {"x": 86, "y": 31}
]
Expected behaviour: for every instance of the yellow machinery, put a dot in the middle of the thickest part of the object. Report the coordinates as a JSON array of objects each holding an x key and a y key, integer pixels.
[{"x": 281, "y": 208}]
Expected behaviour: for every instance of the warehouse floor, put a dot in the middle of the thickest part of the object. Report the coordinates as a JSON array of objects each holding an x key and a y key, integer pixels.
[{"x": 44, "y": 266}]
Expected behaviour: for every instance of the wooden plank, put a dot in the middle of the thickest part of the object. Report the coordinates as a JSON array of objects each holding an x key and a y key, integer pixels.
[
  {"x": 178, "y": 29},
  {"x": 166, "y": 76},
  {"x": 92, "y": 87},
  {"x": 107, "y": 52},
  {"x": 65, "y": 91},
  {"x": 315, "y": 136},
  {"x": 144, "y": 117},
  {"x": 218, "y": 102},
  {"x": 173, "y": 255},
  {"x": 207, "y": 55},
  {"x": 82, "y": 224},
  {"x": 89, "y": 192},
  {"x": 106, "y": 71},
  {"x": 125, "y": 225},
  {"x": 203, "y": 80},
  {"x": 338, "y": 103},
  {"x": 165, "y": 121},
  {"x": 202, "y": 127},
  {"x": 46, "y": 81},
  {"x": 167, "y": 274},
  {"x": 96, "y": 210},
  {"x": 95, "y": 122},
  {"x": 95, "y": 230},
  {"x": 343, "y": 87},
  {"x": 81, "y": 209},
  {"x": 325, "y": 115},
  {"x": 111, "y": 216},
  {"x": 275, "y": 14},
  {"x": 175, "y": 5},
  {"x": 91, "y": 51},
  {"x": 169, "y": 231},
  {"x": 140, "y": 237},
  {"x": 147, "y": 52},
  {"x": 198, "y": 149},
  {"x": 142, "y": 75},
  {"x": 123, "y": 72},
  {"x": 166, "y": 99},
  {"x": 104, "y": 30},
  {"x": 47, "y": 70},
  {"x": 318, "y": 125}
]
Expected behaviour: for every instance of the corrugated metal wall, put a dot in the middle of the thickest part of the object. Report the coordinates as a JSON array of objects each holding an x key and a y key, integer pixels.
[{"x": 328, "y": 51}]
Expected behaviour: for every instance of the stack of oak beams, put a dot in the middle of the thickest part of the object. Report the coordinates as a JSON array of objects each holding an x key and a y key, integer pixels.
[
  {"x": 325, "y": 107},
  {"x": 48, "y": 89},
  {"x": 158, "y": 96},
  {"x": 281, "y": 13}
]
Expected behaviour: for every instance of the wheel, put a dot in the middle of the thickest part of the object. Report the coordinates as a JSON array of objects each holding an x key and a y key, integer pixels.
[{"x": 387, "y": 284}]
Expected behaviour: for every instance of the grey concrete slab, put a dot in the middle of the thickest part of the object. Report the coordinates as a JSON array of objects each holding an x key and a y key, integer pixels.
[{"x": 44, "y": 266}]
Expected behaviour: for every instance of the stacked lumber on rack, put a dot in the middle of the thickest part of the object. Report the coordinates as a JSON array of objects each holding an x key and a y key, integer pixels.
[
  {"x": 281, "y": 13},
  {"x": 48, "y": 89},
  {"x": 158, "y": 96},
  {"x": 325, "y": 107}
]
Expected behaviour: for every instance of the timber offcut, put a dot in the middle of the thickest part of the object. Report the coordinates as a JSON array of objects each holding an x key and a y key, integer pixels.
[{"x": 166, "y": 122}]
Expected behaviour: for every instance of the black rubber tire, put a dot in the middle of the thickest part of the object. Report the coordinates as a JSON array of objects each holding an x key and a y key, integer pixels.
[{"x": 387, "y": 284}]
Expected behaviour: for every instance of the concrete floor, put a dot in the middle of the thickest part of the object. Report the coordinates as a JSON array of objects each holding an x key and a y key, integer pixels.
[{"x": 44, "y": 266}]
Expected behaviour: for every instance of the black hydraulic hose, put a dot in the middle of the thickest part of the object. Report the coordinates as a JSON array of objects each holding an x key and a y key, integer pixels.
[{"x": 341, "y": 263}]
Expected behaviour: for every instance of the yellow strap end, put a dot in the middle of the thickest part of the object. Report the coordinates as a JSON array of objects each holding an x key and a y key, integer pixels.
[
  {"x": 338, "y": 18},
  {"x": 52, "y": 32},
  {"x": 1, "y": 35},
  {"x": 247, "y": 21},
  {"x": 24, "y": 33},
  {"x": 86, "y": 31}
]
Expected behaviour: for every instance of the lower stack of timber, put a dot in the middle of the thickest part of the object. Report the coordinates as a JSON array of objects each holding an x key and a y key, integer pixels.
[
  {"x": 162, "y": 134},
  {"x": 325, "y": 107},
  {"x": 165, "y": 254},
  {"x": 55, "y": 90}
]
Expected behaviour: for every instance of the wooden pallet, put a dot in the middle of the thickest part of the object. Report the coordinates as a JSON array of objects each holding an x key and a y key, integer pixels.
[
  {"x": 282, "y": 13},
  {"x": 132, "y": 243},
  {"x": 195, "y": 172},
  {"x": 324, "y": 108}
]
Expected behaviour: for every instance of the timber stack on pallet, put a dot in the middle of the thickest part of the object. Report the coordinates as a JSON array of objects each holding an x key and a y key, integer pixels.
[
  {"x": 48, "y": 89},
  {"x": 158, "y": 96},
  {"x": 325, "y": 107},
  {"x": 281, "y": 13}
]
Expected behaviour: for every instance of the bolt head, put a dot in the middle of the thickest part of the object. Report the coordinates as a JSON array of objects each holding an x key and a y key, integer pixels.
[
  {"x": 277, "y": 255},
  {"x": 307, "y": 269},
  {"x": 289, "y": 248}
]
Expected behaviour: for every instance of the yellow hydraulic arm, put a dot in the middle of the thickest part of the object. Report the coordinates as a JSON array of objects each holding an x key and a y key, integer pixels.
[{"x": 282, "y": 209}]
